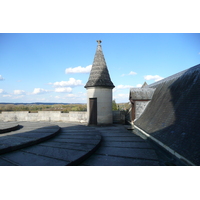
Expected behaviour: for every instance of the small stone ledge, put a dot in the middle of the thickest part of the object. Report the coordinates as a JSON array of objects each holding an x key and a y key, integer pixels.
[
  {"x": 25, "y": 137},
  {"x": 8, "y": 127}
]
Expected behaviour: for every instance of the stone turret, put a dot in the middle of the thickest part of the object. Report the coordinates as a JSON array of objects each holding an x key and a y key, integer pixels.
[{"x": 99, "y": 91}]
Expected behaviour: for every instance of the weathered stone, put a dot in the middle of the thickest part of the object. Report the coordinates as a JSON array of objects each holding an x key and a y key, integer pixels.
[
  {"x": 9, "y": 126},
  {"x": 126, "y": 144},
  {"x": 103, "y": 160},
  {"x": 58, "y": 151},
  {"x": 141, "y": 93},
  {"x": 26, "y": 136},
  {"x": 122, "y": 139},
  {"x": 128, "y": 152},
  {"x": 22, "y": 158}
]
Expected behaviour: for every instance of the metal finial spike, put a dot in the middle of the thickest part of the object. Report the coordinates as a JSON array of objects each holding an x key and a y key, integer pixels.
[{"x": 99, "y": 42}]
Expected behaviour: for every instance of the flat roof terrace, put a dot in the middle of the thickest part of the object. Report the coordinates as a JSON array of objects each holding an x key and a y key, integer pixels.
[{"x": 61, "y": 144}]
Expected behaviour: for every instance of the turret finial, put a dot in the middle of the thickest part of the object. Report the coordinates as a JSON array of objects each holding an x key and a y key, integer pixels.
[{"x": 99, "y": 42}]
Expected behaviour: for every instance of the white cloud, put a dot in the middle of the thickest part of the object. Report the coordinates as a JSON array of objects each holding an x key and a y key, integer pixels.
[
  {"x": 18, "y": 97},
  {"x": 17, "y": 92},
  {"x": 151, "y": 77},
  {"x": 63, "y": 89},
  {"x": 71, "y": 95},
  {"x": 132, "y": 73},
  {"x": 79, "y": 69},
  {"x": 139, "y": 85},
  {"x": 121, "y": 97},
  {"x": 1, "y": 78},
  {"x": 124, "y": 86},
  {"x": 66, "y": 96},
  {"x": 2, "y": 91},
  {"x": 7, "y": 95},
  {"x": 82, "y": 94},
  {"x": 39, "y": 91},
  {"x": 71, "y": 82},
  {"x": 42, "y": 99}
]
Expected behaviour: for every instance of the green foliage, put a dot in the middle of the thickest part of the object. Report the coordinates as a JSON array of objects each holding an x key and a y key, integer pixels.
[
  {"x": 114, "y": 105},
  {"x": 124, "y": 106},
  {"x": 35, "y": 107},
  {"x": 58, "y": 107}
]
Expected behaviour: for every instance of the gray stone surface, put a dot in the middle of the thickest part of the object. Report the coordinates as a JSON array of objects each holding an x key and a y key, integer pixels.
[
  {"x": 31, "y": 133},
  {"x": 128, "y": 144},
  {"x": 67, "y": 155},
  {"x": 107, "y": 160},
  {"x": 23, "y": 158},
  {"x": 123, "y": 139},
  {"x": 6, "y": 162},
  {"x": 69, "y": 145},
  {"x": 77, "y": 141},
  {"x": 141, "y": 93},
  {"x": 140, "y": 107},
  {"x": 6, "y": 127},
  {"x": 148, "y": 154},
  {"x": 63, "y": 149},
  {"x": 120, "y": 147},
  {"x": 81, "y": 145}
]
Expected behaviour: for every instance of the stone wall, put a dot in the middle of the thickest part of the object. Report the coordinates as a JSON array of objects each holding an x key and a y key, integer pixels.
[
  {"x": 140, "y": 107},
  {"x": 57, "y": 116},
  {"x": 49, "y": 116},
  {"x": 104, "y": 104},
  {"x": 119, "y": 117}
]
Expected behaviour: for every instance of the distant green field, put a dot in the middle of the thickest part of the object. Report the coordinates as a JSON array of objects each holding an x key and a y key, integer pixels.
[
  {"x": 65, "y": 108},
  {"x": 42, "y": 107}
]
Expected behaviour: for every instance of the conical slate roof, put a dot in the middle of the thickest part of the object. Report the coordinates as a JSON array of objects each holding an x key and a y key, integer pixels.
[
  {"x": 99, "y": 75},
  {"x": 144, "y": 85}
]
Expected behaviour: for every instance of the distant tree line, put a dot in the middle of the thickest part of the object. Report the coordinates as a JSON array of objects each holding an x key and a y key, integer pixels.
[
  {"x": 57, "y": 107},
  {"x": 35, "y": 107}
]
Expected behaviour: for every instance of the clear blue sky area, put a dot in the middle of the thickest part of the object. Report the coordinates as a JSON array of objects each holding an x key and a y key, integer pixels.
[{"x": 53, "y": 67}]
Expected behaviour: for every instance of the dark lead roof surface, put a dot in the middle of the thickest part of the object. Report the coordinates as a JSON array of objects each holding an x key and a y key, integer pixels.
[{"x": 99, "y": 75}]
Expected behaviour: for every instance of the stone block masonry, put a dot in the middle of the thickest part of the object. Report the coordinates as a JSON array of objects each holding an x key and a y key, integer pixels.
[
  {"x": 54, "y": 116},
  {"x": 48, "y": 116}
]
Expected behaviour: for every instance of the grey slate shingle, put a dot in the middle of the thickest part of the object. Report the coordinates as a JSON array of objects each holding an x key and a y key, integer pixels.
[{"x": 99, "y": 75}]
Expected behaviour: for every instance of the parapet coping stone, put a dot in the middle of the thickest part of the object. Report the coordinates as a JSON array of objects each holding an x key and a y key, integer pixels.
[
  {"x": 8, "y": 127},
  {"x": 66, "y": 137},
  {"x": 25, "y": 137}
]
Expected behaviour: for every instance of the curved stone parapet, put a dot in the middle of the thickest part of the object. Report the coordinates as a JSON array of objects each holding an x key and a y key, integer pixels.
[
  {"x": 71, "y": 146},
  {"x": 173, "y": 115},
  {"x": 6, "y": 127},
  {"x": 30, "y": 134}
]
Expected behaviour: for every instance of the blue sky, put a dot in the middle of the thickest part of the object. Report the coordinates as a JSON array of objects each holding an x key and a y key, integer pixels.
[
  {"x": 54, "y": 67},
  {"x": 33, "y": 66}
]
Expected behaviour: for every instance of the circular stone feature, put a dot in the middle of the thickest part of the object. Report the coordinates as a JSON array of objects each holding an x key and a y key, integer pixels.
[
  {"x": 30, "y": 134},
  {"x": 6, "y": 127}
]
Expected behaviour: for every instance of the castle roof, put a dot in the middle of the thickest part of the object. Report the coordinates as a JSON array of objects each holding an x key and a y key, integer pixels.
[
  {"x": 99, "y": 75},
  {"x": 141, "y": 93}
]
